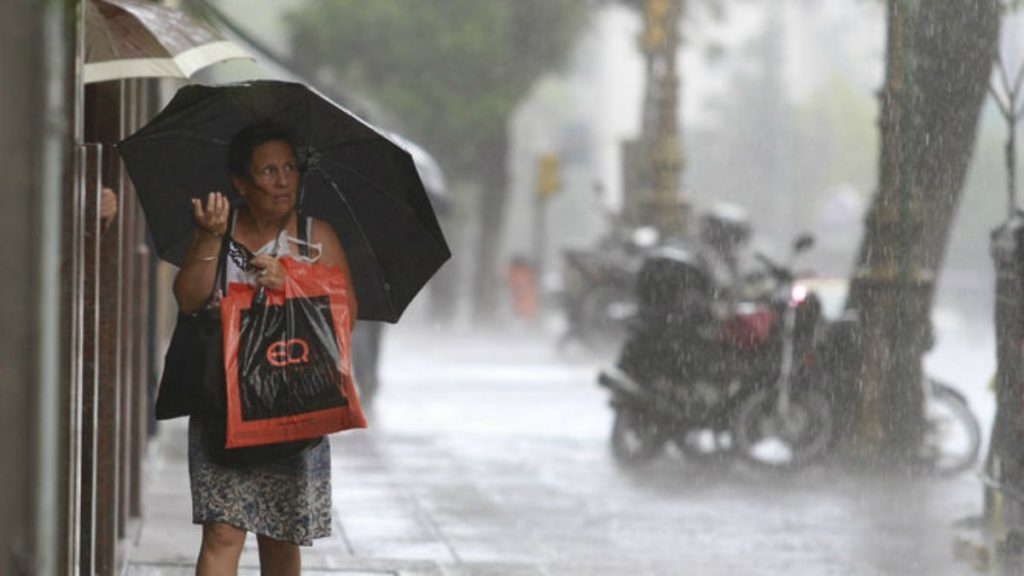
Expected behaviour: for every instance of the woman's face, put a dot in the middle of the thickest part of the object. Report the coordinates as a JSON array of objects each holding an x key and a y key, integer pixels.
[{"x": 272, "y": 188}]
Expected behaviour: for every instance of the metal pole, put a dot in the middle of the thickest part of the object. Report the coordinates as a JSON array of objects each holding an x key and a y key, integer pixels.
[
  {"x": 48, "y": 306},
  {"x": 32, "y": 112},
  {"x": 34, "y": 139}
]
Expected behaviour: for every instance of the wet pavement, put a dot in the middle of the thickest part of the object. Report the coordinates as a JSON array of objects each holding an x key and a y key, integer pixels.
[{"x": 487, "y": 455}]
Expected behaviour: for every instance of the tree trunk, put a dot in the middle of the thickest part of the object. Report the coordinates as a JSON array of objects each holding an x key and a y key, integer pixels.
[
  {"x": 494, "y": 177},
  {"x": 957, "y": 44},
  {"x": 939, "y": 55}
]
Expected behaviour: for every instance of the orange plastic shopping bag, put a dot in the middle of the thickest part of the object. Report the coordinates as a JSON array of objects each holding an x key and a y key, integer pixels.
[{"x": 286, "y": 359}]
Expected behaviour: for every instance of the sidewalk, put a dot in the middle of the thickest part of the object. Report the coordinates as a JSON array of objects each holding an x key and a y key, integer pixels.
[
  {"x": 488, "y": 456},
  {"x": 394, "y": 485},
  {"x": 379, "y": 527}
]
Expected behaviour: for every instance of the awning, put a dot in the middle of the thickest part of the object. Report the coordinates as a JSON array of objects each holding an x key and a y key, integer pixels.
[{"x": 138, "y": 39}]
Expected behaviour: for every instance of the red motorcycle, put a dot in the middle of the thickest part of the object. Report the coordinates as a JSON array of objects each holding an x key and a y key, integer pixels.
[{"x": 718, "y": 387}]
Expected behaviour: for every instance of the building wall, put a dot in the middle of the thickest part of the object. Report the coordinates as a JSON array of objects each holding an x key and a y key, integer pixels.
[
  {"x": 33, "y": 143},
  {"x": 73, "y": 370}
]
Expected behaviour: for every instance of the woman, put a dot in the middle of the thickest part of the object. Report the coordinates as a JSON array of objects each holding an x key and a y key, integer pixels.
[{"x": 286, "y": 503}]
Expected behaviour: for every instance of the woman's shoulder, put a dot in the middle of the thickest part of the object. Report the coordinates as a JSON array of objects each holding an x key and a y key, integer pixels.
[
  {"x": 322, "y": 230},
  {"x": 319, "y": 227}
]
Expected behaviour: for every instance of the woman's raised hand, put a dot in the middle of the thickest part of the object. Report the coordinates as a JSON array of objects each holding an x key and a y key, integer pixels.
[{"x": 212, "y": 218}]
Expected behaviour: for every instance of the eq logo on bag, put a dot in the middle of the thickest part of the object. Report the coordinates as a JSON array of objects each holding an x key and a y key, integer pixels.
[
  {"x": 289, "y": 361},
  {"x": 285, "y": 352}
]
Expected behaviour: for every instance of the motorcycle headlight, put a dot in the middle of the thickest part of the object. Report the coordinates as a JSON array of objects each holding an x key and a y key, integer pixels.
[{"x": 798, "y": 294}]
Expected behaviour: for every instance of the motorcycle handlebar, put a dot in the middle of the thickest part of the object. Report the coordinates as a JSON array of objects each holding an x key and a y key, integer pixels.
[{"x": 779, "y": 272}]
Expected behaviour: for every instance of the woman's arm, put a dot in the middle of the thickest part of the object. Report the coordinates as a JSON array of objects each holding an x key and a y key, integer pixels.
[
  {"x": 333, "y": 254},
  {"x": 194, "y": 281}
]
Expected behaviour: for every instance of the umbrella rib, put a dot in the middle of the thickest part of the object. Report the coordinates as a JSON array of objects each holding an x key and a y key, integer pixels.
[
  {"x": 366, "y": 241},
  {"x": 371, "y": 184},
  {"x": 358, "y": 142},
  {"x": 309, "y": 132},
  {"x": 376, "y": 188},
  {"x": 108, "y": 33},
  {"x": 171, "y": 134},
  {"x": 357, "y": 174}
]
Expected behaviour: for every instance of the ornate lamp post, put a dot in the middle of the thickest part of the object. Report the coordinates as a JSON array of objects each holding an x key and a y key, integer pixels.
[{"x": 656, "y": 190}]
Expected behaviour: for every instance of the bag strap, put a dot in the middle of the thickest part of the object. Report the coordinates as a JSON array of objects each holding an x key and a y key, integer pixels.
[
  {"x": 302, "y": 224},
  {"x": 220, "y": 280}
]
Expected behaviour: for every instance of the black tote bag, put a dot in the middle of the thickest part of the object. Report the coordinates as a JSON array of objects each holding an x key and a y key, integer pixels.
[{"x": 193, "y": 380}]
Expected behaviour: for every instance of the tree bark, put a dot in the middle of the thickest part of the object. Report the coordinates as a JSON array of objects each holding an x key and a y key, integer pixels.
[
  {"x": 957, "y": 44},
  {"x": 494, "y": 177},
  {"x": 938, "y": 59}
]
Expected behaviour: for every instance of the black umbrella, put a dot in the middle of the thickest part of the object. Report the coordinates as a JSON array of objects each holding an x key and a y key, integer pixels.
[{"x": 360, "y": 181}]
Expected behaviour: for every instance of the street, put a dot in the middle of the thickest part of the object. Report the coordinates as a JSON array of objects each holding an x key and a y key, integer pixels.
[{"x": 487, "y": 455}]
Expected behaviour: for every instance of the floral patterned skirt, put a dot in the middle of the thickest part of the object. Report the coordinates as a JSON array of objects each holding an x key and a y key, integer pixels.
[{"x": 288, "y": 500}]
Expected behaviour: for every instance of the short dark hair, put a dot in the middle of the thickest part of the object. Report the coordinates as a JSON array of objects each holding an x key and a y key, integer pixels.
[{"x": 247, "y": 139}]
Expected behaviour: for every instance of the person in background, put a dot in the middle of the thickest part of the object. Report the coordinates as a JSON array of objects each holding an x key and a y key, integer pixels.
[
  {"x": 522, "y": 285},
  {"x": 724, "y": 233},
  {"x": 108, "y": 207}
]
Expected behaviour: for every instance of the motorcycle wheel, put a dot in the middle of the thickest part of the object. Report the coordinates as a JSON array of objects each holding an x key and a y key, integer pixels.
[
  {"x": 953, "y": 435},
  {"x": 704, "y": 446},
  {"x": 636, "y": 438},
  {"x": 771, "y": 440}
]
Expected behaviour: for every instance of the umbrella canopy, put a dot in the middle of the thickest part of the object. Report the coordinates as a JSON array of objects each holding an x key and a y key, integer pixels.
[
  {"x": 136, "y": 39},
  {"x": 353, "y": 176},
  {"x": 429, "y": 170}
]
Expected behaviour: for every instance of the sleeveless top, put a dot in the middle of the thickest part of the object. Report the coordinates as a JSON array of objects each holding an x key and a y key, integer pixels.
[{"x": 237, "y": 268}]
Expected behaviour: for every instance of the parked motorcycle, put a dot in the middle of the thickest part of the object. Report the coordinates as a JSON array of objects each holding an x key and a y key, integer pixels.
[
  {"x": 952, "y": 440},
  {"x": 717, "y": 386},
  {"x": 598, "y": 289}
]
